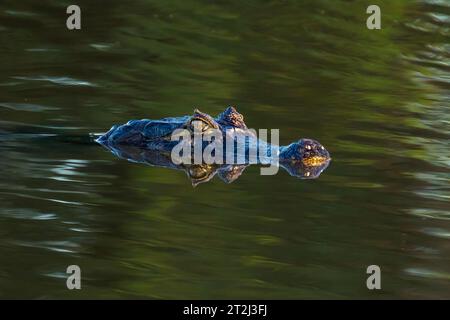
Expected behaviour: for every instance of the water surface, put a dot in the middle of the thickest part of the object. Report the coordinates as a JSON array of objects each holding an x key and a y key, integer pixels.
[{"x": 378, "y": 100}]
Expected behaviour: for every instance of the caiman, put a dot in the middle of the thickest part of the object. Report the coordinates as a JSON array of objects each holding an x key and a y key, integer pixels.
[{"x": 151, "y": 142}]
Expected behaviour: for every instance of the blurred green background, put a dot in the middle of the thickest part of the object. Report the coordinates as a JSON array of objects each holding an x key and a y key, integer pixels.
[{"x": 377, "y": 99}]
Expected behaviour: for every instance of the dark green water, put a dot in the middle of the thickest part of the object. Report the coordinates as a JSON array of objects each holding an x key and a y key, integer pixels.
[{"x": 378, "y": 100}]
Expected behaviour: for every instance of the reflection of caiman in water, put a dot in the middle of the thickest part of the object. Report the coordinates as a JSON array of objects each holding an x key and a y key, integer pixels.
[{"x": 149, "y": 142}]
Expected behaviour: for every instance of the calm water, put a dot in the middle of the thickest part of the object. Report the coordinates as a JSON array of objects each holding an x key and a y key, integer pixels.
[{"x": 378, "y": 100}]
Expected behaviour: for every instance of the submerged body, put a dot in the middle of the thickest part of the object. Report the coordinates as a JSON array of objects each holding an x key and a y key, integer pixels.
[{"x": 151, "y": 142}]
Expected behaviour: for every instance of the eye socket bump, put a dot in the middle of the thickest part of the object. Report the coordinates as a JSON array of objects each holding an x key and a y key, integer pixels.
[{"x": 199, "y": 125}]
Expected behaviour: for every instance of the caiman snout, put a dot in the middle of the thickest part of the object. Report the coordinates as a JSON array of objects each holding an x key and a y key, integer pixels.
[{"x": 310, "y": 152}]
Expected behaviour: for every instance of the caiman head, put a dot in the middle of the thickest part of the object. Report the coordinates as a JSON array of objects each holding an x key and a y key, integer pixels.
[{"x": 306, "y": 158}]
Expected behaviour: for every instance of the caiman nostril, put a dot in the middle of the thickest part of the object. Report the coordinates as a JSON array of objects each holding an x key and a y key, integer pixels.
[{"x": 314, "y": 161}]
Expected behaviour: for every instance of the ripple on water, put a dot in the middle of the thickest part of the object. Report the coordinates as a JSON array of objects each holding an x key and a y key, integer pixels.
[
  {"x": 15, "y": 124},
  {"x": 27, "y": 214},
  {"x": 17, "y": 13},
  {"x": 26, "y": 107},
  {"x": 64, "y": 81},
  {"x": 57, "y": 275},
  {"x": 442, "y": 3},
  {"x": 101, "y": 46},
  {"x": 431, "y": 213},
  {"x": 439, "y": 17},
  {"x": 427, "y": 273},
  {"x": 41, "y": 50},
  {"x": 60, "y": 201},
  {"x": 56, "y": 246},
  {"x": 437, "y": 232}
]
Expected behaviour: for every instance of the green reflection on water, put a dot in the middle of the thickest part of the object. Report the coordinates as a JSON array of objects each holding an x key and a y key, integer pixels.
[{"x": 378, "y": 100}]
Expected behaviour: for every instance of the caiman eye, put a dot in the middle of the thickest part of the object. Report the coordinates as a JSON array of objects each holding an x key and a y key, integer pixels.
[{"x": 199, "y": 125}]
